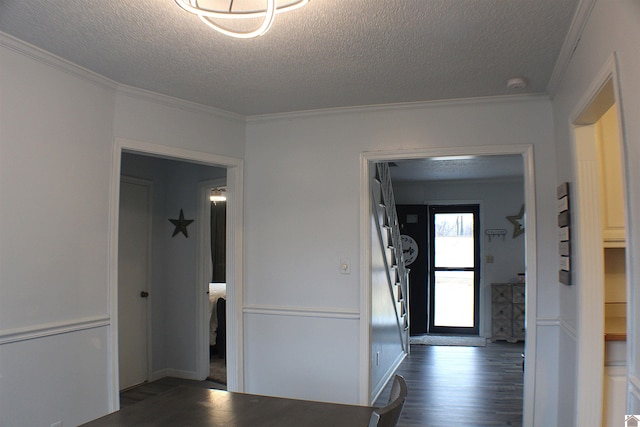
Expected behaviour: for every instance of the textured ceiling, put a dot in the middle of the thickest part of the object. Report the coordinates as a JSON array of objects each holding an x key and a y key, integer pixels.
[
  {"x": 328, "y": 54},
  {"x": 458, "y": 168}
]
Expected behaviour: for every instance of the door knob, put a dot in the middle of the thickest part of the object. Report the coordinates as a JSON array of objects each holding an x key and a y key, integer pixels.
[{"x": 144, "y": 294}]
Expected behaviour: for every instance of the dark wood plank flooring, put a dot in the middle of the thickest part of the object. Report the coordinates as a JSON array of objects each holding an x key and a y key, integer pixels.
[
  {"x": 199, "y": 407},
  {"x": 448, "y": 386},
  {"x": 144, "y": 391},
  {"x": 456, "y": 386}
]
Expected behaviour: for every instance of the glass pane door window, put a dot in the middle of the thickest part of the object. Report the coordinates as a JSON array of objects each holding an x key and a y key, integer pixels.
[
  {"x": 455, "y": 299},
  {"x": 454, "y": 269}
]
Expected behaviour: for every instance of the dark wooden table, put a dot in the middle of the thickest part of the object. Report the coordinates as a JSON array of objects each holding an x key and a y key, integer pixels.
[{"x": 194, "y": 406}]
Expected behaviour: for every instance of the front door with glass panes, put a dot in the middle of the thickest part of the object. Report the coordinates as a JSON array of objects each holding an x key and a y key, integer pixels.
[{"x": 454, "y": 269}]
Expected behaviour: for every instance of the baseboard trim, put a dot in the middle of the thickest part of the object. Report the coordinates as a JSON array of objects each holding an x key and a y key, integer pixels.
[
  {"x": 460, "y": 340},
  {"x": 175, "y": 373},
  {"x": 10, "y": 336},
  {"x": 379, "y": 387}
]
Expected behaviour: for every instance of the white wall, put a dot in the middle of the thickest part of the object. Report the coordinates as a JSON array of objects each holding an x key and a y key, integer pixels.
[
  {"x": 166, "y": 121},
  {"x": 55, "y": 148},
  {"x": 498, "y": 199},
  {"x": 301, "y": 216},
  {"x": 613, "y": 26},
  {"x": 57, "y": 127},
  {"x": 302, "y": 192}
]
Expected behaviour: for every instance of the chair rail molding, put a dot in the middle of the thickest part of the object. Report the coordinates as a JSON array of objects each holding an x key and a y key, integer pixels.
[{"x": 8, "y": 336}]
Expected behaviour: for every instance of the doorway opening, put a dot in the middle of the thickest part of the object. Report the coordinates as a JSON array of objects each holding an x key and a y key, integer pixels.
[
  {"x": 454, "y": 269},
  {"x": 181, "y": 304},
  {"x": 601, "y": 253},
  {"x": 525, "y": 154},
  {"x": 134, "y": 281},
  {"x": 214, "y": 207}
]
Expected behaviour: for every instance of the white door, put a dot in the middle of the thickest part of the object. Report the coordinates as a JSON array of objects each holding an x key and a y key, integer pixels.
[{"x": 133, "y": 297}]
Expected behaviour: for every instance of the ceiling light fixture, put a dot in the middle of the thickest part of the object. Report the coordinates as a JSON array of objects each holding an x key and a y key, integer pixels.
[
  {"x": 210, "y": 12},
  {"x": 217, "y": 195}
]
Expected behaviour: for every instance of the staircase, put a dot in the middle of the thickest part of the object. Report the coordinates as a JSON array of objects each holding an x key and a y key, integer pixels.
[{"x": 385, "y": 216}]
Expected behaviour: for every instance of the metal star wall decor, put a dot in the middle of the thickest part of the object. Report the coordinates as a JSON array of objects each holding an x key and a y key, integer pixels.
[
  {"x": 518, "y": 222},
  {"x": 181, "y": 225}
]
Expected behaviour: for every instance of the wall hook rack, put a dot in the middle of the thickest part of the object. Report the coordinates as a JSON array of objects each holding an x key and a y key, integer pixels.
[{"x": 493, "y": 232}]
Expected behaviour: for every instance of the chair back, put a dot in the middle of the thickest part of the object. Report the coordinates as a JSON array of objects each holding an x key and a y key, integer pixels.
[
  {"x": 397, "y": 388},
  {"x": 388, "y": 416}
]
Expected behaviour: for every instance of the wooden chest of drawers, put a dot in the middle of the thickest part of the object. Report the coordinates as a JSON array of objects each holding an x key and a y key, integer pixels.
[{"x": 507, "y": 312}]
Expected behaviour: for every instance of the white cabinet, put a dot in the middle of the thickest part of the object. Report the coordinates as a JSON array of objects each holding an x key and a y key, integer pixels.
[
  {"x": 613, "y": 229},
  {"x": 615, "y": 396},
  {"x": 613, "y": 236}
]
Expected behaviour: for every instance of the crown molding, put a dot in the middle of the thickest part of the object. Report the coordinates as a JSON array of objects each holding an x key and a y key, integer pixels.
[
  {"x": 60, "y": 64},
  {"x": 580, "y": 18},
  {"x": 519, "y": 179},
  {"x": 54, "y": 61},
  {"x": 398, "y": 106},
  {"x": 171, "y": 101},
  {"x": 69, "y": 67}
]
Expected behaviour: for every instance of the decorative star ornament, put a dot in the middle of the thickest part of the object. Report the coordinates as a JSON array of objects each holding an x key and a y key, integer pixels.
[
  {"x": 518, "y": 222},
  {"x": 181, "y": 225}
]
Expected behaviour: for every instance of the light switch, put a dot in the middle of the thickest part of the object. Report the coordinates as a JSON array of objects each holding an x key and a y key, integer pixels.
[{"x": 345, "y": 266}]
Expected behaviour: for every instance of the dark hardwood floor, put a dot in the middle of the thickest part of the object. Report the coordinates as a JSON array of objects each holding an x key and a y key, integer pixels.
[
  {"x": 456, "y": 386},
  {"x": 144, "y": 391},
  {"x": 448, "y": 386}
]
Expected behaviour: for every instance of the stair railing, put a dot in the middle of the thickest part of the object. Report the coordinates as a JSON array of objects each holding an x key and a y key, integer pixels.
[{"x": 402, "y": 277}]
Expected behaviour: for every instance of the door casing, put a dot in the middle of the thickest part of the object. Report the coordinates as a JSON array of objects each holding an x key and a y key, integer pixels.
[
  {"x": 234, "y": 166},
  {"x": 367, "y": 157}
]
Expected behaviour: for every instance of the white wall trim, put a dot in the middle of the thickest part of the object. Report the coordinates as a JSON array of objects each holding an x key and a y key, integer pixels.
[
  {"x": 568, "y": 329},
  {"x": 8, "y": 336},
  {"x": 71, "y": 68},
  {"x": 64, "y": 65},
  {"x": 171, "y": 101},
  {"x": 235, "y": 263},
  {"x": 175, "y": 373},
  {"x": 366, "y": 240},
  {"x": 588, "y": 276},
  {"x": 169, "y": 152},
  {"x": 634, "y": 386},
  {"x": 548, "y": 321},
  {"x": 580, "y": 18},
  {"x": 384, "y": 380},
  {"x": 590, "y": 269},
  {"x": 235, "y": 275},
  {"x": 560, "y": 323},
  {"x": 54, "y": 61},
  {"x": 526, "y": 150},
  {"x": 341, "y": 111},
  {"x": 333, "y": 313}
]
